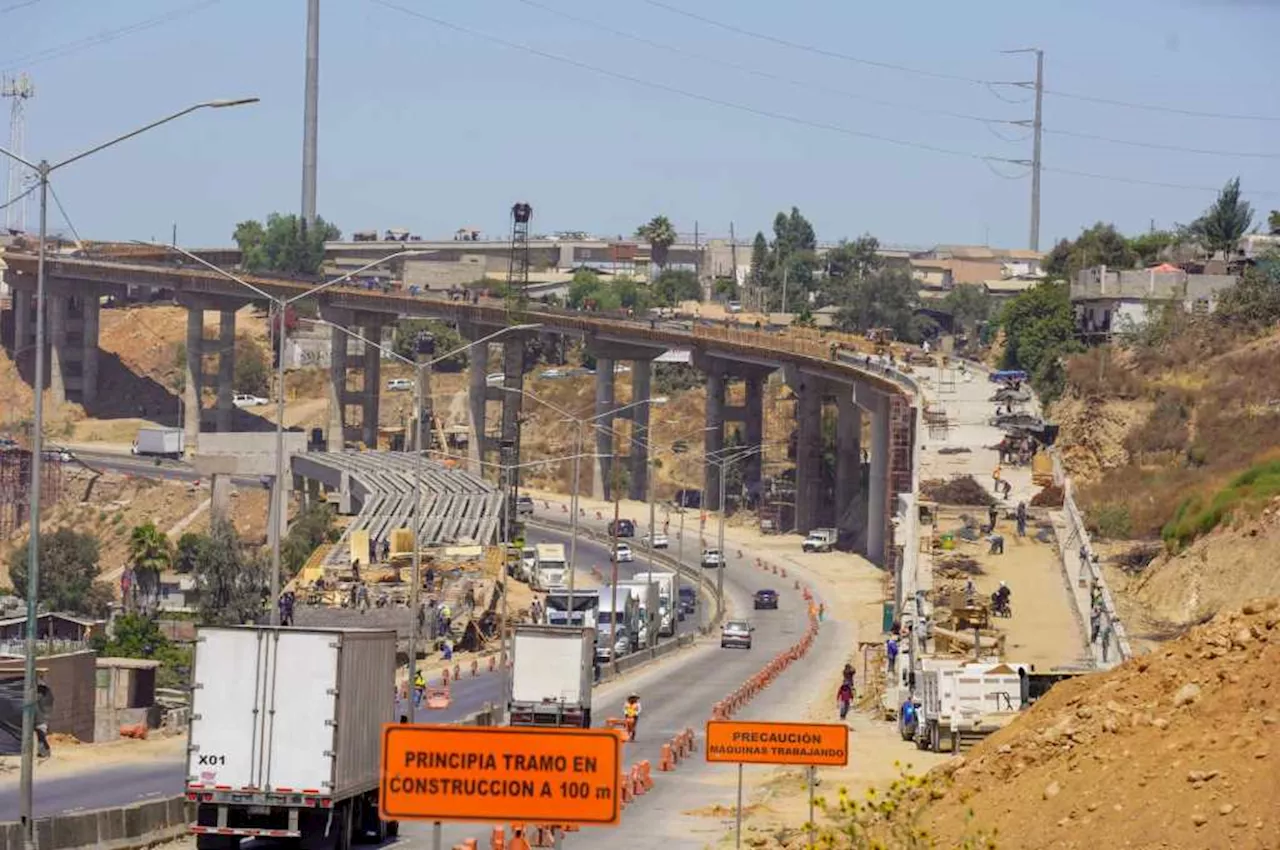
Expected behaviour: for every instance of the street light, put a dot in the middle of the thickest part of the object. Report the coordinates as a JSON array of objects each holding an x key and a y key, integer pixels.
[
  {"x": 43, "y": 169},
  {"x": 416, "y": 570},
  {"x": 581, "y": 422},
  {"x": 281, "y": 305}
]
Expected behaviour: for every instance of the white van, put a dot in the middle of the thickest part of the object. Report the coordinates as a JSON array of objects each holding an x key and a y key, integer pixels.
[{"x": 400, "y": 384}]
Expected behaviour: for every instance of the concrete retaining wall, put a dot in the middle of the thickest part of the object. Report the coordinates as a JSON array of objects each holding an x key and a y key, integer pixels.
[{"x": 138, "y": 825}]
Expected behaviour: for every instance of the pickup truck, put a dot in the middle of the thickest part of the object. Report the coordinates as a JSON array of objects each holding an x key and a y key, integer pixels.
[{"x": 820, "y": 540}]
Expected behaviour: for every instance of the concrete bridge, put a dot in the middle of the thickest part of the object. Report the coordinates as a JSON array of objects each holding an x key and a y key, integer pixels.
[{"x": 864, "y": 499}]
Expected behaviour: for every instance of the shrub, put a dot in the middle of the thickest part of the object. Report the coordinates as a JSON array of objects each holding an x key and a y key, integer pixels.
[
  {"x": 1167, "y": 428},
  {"x": 1247, "y": 493},
  {"x": 1111, "y": 520}
]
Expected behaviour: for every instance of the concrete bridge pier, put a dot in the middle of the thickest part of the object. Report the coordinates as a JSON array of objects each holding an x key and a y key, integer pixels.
[
  {"x": 335, "y": 434},
  {"x": 61, "y": 353},
  {"x": 608, "y": 354},
  {"x": 90, "y": 315},
  {"x": 512, "y": 401},
  {"x": 477, "y": 372},
  {"x": 602, "y": 464},
  {"x": 226, "y": 344},
  {"x": 718, "y": 413},
  {"x": 194, "y": 376},
  {"x": 371, "y": 377},
  {"x": 851, "y": 516},
  {"x": 24, "y": 334},
  {"x": 809, "y": 392},
  {"x": 877, "y": 407},
  {"x": 713, "y": 437}
]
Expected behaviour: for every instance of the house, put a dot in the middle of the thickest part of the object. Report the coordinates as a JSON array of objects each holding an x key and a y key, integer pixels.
[
  {"x": 177, "y": 592},
  {"x": 51, "y": 627},
  {"x": 124, "y": 695},
  {"x": 1107, "y": 301}
]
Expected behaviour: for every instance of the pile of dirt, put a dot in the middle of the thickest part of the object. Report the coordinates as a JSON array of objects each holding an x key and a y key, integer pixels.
[
  {"x": 1048, "y": 497},
  {"x": 1180, "y": 748},
  {"x": 958, "y": 567},
  {"x": 960, "y": 490},
  {"x": 1092, "y": 433}
]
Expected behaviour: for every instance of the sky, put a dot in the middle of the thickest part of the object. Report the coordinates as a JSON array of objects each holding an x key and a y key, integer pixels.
[{"x": 435, "y": 116}]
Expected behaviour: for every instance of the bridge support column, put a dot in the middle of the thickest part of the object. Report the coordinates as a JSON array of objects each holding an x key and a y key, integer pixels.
[
  {"x": 227, "y": 370},
  {"x": 58, "y": 307},
  {"x": 753, "y": 464},
  {"x": 602, "y": 482},
  {"x": 512, "y": 382},
  {"x": 808, "y": 453},
  {"x": 90, "y": 323},
  {"x": 477, "y": 372},
  {"x": 641, "y": 387},
  {"x": 23, "y": 328},
  {"x": 371, "y": 391},
  {"x": 849, "y": 519},
  {"x": 336, "y": 436},
  {"x": 193, "y": 377},
  {"x": 713, "y": 438},
  {"x": 878, "y": 489}
]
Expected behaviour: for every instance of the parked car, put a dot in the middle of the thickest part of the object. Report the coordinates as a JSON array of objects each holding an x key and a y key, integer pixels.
[
  {"x": 659, "y": 540},
  {"x": 712, "y": 558},
  {"x": 736, "y": 633},
  {"x": 625, "y": 555},
  {"x": 399, "y": 384},
  {"x": 495, "y": 379},
  {"x": 766, "y": 599},
  {"x": 550, "y": 374},
  {"x": 734, "y": 306},
  {"x": 246, "y": 400}
]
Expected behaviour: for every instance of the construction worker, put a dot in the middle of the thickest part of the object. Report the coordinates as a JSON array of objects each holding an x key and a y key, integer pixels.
[
  {"x": 419, "y": 688},
  {"x": 844, "y": 696},
  {"x": 631, "y": 715}
]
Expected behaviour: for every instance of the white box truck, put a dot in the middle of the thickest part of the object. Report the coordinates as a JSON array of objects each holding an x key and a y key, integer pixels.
[
  {"x": 647, "y": 613},
  {"x": 549, "y": 565},
  {"x": 286, "y": 734},
  {"x": 586, "y": 602},
  {"x": 552, "y": 669},
  {"x": 159, "y": 442},
  {"x": 626, "y": 607},
  {"x": 667, "y": 612}
]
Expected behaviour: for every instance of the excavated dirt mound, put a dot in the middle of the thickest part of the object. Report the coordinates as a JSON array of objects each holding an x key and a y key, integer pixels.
[
  {"x": 1091, "y": 439},
  {"x": 960, "y": 490},
  {"x": 1179, "y": 749},
  {"x": 1048, "y": 497}
]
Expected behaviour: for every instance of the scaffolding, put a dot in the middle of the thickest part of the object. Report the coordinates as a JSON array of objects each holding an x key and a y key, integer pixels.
[{"x": 15, "y": 481}]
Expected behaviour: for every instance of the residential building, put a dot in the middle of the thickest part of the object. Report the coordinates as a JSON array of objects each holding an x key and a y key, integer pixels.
[{"x": 1107, "y": 301}]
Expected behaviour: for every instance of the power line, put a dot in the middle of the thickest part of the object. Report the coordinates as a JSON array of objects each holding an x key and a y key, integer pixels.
[
  {"x": 106, "y": 36},
  {"x": 13, "y": 7},
  {"x": 779, "y": 116},
  {"x": 921, "y": 72},
  {"x": 752, "y": 110},
  {"x": 990, "y": 123}
]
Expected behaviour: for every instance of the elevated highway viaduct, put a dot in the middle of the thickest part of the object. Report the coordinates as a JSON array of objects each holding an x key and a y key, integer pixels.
[{"x": 868, "y": 478}]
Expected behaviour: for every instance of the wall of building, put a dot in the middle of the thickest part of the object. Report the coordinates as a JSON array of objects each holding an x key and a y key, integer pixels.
[{"x": 72, "y": 679}]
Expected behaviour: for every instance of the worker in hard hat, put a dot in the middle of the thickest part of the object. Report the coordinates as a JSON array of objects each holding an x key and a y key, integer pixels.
[{"x": 631, "y": 715}]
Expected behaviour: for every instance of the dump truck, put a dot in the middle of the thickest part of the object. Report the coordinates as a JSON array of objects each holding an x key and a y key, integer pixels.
[
  {"x": 967, "y": 702},
  {"x": 286, "y": 734},
  {"x": 552, "y": 669},
  {"x": 159, "y": 442}
]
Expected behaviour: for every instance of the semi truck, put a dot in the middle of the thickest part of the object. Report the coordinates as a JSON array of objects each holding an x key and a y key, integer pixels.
[
  {"x": 160, "y": 442},
  {"x": 552, "y": 668},
  {"x": 667, "y": 611},
  {"x": 549, "y": 565},
  {"x": 622, "y": 607},
  {"x": 648, "y": 610},
  {"x": 286, "y": 734},
  {"x": 581, "y": 612}
]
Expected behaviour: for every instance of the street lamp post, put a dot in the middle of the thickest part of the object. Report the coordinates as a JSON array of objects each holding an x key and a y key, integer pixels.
[
  {"x": 724, "y": 463},
  {"x": 43, "y": 169},
  {"x": 415, "y": 571},
  {"x": 281, "y": 306}
]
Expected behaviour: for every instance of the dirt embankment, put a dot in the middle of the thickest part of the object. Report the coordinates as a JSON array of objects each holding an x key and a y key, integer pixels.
[{"x": 1178, "y": 749}]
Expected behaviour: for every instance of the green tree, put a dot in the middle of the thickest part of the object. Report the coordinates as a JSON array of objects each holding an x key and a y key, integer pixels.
[
  {"x": 887, "y": 298},
  {"x": 675, "y": 285},
  {"x": 1039, "y": 327},
  {"x": 232, "y": 584},
  {"x": 969, "y": 306},
  {"x": 309, "y": 529},
  {"x": 285, "y": 244},
  {"x": 855, "y": 259},
  {"x": 1101, "y": 244},
  {"x": 1147, "y": 247},
  {"x": 1224, "y": 223},
  {"x": 759, "y": 259},
  {"x": 1273, "y": 223},
  {"x": 68, "y": 573},
  {"x": 150, "y": 554},
  {"x": 1254, "y": 302},
  {"x": 446, "y": 339},
  {"x": 661, "y": 235},
  {"x": 253, "y": 368},
  {"x": 139, "y": 636},
  {"x": 187, "y": 553}
]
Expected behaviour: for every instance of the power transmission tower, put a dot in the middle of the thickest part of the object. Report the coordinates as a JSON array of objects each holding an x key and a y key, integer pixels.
[
  {"x": 20, "y": 90},
  {"x": 1036, "y": 131},
  {"x": 310, "y": 115}
]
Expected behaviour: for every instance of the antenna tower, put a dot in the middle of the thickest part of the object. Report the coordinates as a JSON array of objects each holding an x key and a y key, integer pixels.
[{"x": 21, "y": 90}]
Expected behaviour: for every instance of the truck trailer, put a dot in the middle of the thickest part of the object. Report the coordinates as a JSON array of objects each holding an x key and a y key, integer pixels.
[
  {"x": 552, "y": 669},
  {"x": 582, "y": 611},
  {"x": 667, "y": 611},
  {"x": 160, "y": 442},
  {"x": 286, "y": 734}
]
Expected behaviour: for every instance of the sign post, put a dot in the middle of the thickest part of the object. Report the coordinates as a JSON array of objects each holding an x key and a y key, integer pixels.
[
  {"x": 809, "y": 744},
  {"x": 443, "y": 773}
]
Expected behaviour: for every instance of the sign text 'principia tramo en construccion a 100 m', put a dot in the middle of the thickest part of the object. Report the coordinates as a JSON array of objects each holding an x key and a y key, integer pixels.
[
  {"x": 494, "y": 774},
  {"x": 744, "y": 742}
]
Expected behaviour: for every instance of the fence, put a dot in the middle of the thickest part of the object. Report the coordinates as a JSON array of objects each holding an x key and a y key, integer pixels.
[{"x": 1108, "y": 641}]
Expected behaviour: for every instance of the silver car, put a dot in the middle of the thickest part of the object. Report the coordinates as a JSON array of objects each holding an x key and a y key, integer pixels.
[{"x": 736, "y": 633}]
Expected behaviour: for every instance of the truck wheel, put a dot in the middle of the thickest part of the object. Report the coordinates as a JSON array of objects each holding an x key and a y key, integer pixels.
[{"x": 393, "y": 829}]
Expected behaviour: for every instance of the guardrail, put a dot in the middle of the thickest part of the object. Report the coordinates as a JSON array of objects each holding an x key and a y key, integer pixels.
[{"x": 1108, "y": 641}]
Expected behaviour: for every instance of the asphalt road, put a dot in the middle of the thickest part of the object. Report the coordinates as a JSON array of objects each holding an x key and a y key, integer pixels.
[{"x": 124, "y": 784}]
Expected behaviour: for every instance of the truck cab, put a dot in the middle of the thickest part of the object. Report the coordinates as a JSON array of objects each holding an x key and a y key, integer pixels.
[{"x": 820, "y": 540}]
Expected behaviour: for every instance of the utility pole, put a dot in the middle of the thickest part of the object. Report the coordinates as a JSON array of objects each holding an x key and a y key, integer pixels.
[
  {"x": 1035, "y": 154},
  {"x": 733, "y": 260},
  {"x": 310, "y": 111}
]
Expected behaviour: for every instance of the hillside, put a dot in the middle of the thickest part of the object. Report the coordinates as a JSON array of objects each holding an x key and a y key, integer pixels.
[
  {"x": 1172, "y": 443},
  {"x": 1177, "y": 749}
]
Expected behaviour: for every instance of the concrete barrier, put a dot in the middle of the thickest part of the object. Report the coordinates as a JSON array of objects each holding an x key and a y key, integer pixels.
[{"x": 123, "y": 828}]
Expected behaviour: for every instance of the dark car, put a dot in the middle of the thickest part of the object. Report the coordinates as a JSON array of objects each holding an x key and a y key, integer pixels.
[
  {"x": 766, "y": 599},
  {"x": 622, "y": 528},
  {"x": 688, "y": 599}
]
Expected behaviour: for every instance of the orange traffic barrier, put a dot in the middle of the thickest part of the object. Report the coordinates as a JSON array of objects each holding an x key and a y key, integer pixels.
[
  {"x": 775, "y": 569},
  {"x": 637, "y": 784},
  {"x": 498, "y": 839},
  {"x": 475, "y": 667},
  {"x": 626, "y": 788},
  {"x": 646, "y": 779},
  {"x": 444, "y": 676},
  {"x": 784, "y": 572},
  {"x": 797, "y": 584},
  {"x": 668, "y": 762},
  {"x": 437, "y": 698}
]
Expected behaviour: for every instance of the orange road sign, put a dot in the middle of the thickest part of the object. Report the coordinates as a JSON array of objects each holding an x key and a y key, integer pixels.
[
  {"x": 500, "y": 774},
  {"x": 823, "y": 744}
]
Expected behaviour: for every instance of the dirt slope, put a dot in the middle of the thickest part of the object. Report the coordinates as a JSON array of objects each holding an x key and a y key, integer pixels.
[{"x": 1179, "y": 749}]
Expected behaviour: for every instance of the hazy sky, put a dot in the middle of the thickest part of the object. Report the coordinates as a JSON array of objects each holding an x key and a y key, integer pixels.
[{"x": 432, "y": 128}]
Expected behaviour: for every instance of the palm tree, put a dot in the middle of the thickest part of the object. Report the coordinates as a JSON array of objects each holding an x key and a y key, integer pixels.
[
  {"x": 661, "y": 235},
  {"x": 150, "y": 553}
]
